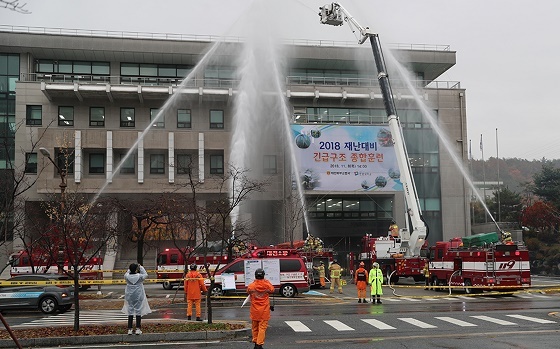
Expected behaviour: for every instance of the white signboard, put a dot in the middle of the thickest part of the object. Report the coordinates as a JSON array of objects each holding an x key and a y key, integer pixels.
[
  {"x": 346, "y": 158},
  {"x": 228, "y": 281},
  {"x": 271, "y": 270}
]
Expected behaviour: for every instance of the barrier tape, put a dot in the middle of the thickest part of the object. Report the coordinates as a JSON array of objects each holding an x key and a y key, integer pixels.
[{"x": 87, "y": 282}]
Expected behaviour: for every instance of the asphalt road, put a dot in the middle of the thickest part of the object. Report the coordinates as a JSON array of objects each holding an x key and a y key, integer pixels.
[{"x": 411, "y": 318}]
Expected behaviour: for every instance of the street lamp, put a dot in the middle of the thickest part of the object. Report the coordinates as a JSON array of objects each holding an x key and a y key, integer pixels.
[{"x": 62, "y": 185}]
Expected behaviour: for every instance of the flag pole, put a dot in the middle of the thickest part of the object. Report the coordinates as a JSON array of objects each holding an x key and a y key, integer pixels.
[
  {"x": 483, "y": 179},
  {"x": 498, "y": 170}
]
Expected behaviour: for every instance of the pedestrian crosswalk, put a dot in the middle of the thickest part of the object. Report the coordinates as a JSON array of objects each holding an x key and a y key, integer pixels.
[
  {"x": 431, "y": 323},
  {"x": 396, "y": 299},
  {"x": 87, "y": 317}
]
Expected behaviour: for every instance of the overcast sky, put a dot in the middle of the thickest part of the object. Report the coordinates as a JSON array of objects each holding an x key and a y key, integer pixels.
[{"x": 508, "y": 52}]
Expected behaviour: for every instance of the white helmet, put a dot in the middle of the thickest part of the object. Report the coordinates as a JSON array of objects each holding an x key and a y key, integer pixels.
[{"x": 375, "y": 265}]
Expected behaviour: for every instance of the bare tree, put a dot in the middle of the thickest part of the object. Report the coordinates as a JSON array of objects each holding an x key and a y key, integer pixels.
[
  {"x": 14, "y": 5},
  {"x": 294, "y": 215}
]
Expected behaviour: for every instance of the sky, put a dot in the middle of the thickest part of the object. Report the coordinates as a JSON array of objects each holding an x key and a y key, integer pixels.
[{"x": 508, "y": 52}]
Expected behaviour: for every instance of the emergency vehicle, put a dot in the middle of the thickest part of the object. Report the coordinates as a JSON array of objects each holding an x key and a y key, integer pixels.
[
  {"x": 480, "y": 266},
  {"x": 170, "y": 264},
  {"x": 21, "y": 264},
  {"x": 398, "y": 255},
  {"x": 294, "y": 277},
  {"x": 312, "y": 251}
]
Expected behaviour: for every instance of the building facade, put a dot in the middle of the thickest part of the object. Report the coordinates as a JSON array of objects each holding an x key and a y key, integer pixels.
[{"x": 136, "y": 112}]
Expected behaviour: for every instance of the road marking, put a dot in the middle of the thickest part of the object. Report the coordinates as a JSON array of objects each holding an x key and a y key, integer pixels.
[
  {"x": 533, "y": 319},
  {"x": 464, "y": 297},
  {"x": 298, "y": 326},
  {"x": 416, "y": 323},
  {"x": 540, "y": 295},
  {"x": 86, "y": 318},
  {"x": 494, "y": 320},
  {"x": 339, "y": 326},
  {"x": 380, "y": 325},
  {"x": 449, "y": 298},
  {"x": 393, "y": 299},
  {"x": 455, "y": 321},
  {"x": 524, "y": 295}
]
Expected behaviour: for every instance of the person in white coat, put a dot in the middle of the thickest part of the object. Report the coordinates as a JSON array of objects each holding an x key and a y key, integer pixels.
[{"x": 135, "y": 300}]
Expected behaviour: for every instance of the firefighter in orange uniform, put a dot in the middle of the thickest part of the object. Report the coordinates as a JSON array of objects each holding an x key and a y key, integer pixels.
[
  {"x": 260, "y": 306},
  {"x": 194, "y": 286},
  {"x": 361, "y": 280}
]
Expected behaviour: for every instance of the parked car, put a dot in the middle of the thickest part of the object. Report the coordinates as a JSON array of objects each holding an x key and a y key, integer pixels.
[{"x": 46, "y": 298}]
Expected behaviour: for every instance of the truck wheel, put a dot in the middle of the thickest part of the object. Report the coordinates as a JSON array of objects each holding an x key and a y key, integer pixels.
[
  {"x": 435, "y": 283},
  {"x": 288, "y": 291},
  {"x": 216, "y": 291},
  {"x": 167, "y": 285},
  {"x": 468, "y": 289}
]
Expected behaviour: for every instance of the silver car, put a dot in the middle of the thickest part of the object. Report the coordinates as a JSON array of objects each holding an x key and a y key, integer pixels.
[{"x": 46, "y": 298}]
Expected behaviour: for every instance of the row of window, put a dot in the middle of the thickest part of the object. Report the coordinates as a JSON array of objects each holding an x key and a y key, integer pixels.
[
  {"x": 34, "y": 117},
  {"x": 183, "y": 163}
]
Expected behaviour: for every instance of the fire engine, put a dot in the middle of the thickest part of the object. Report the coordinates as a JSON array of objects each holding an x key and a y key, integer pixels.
[
  {"x": 171, "y": 264},
  {"x": 480, "y": 262},
  {"x": 399, "y": 255},
  {"x": 312, "y": 251},
  {"x": 20, "y": 263}
]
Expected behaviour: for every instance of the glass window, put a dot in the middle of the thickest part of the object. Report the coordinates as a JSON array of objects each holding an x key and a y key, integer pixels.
[
  {"x": 216, "y": 164},
  {"x": 167, "y": 71},
  {"x": 148, "y": 69},
  {"x": 127, "y": 117},
  {"x": 30, "y": 162},
  {"x": 184, "y": 162},
  {"x": 45, "y": 66},
  {"x": 96, "y": 163},
  {"x": 100, "y": 68},
  {"x": 157, "y": 163},
  {"x": 65, "y": 116},
  {"x": 269, "y": 166},
  {"x": 351, "y": 205},
  {"x": 183, "y": 118},
  {"x": 291, "y": 264},
  {"x": 82, "y": 67},
  {"x": 153, "y": 115},
  {"x": 65, "y": 67},
  {"x": 128, "y": 164},
  {"x": 130, "y": 69},
  {"x": 97, "y": 116},
  {"x": 34, "y": 115},
  {"x": 216, "y": 119}
]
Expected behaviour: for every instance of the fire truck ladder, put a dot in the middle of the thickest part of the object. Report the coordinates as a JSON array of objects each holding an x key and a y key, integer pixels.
[{"x": 490, "y": 263}]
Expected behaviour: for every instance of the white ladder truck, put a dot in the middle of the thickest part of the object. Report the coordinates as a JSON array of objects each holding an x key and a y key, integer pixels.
[{"x": 400, "y": 256}]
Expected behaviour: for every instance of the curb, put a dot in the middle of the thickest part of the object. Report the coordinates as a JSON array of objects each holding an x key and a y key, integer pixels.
[{"x": 124, "y": 338}]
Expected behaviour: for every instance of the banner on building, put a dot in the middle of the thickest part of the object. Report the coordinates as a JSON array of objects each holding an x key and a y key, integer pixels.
[{"x": 346, "y": 158}]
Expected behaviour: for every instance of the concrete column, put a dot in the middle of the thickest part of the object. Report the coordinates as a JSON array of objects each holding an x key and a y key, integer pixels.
[
  {"x": 140, "y": 158},
  {"x": 77, "y": 156}
]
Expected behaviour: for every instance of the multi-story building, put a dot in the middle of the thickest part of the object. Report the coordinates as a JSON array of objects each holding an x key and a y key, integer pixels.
[{"x": 100, "y": 96}]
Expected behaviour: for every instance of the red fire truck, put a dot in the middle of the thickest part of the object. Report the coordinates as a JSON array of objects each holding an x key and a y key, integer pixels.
[
  {"x": 481, "y": 265},
  {"x": 171, "y": 265},
  {"x": 20, "y": 263}
]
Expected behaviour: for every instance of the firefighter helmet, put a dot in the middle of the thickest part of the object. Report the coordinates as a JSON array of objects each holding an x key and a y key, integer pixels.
[
  {"x": 192, "y": 267},
  {"x": 259, "y": 273},
  {"x": 376, "y": 265}
]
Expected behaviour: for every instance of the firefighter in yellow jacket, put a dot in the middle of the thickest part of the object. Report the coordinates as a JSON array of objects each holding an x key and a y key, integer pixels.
[
  {"x": 426, "y": 273},
  {"x": 376, "y": 281},
  {"x": 321, "y": 270},
  {"x": 335, "y": 271}
]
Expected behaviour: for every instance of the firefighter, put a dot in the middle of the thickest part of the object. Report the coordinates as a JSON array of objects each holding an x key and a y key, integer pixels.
[
  {"x": 194, "y": 286},
  {"x": 335, "y": 271},
  {"x": 258, "y": 290},
  {"x": 376, "y": 281},
  {"x": 506, "y": 238},
  {"x": 321, "y": 270},
  {"x": 426, "y": 273},
  {"x": 394, "y": 229},
  {"x": 361, "y": 280}
]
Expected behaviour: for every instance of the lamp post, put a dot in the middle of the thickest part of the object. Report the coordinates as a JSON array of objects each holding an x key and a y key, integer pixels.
[{"x": 62, "y": 185}]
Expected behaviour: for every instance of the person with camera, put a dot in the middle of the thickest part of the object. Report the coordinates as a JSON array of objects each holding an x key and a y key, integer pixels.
[
  {"x": 258, "y": 291},
  {"x": 135, "y": 300},
  {"x": 194, "y": 286}
]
